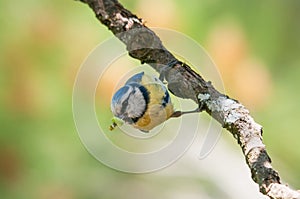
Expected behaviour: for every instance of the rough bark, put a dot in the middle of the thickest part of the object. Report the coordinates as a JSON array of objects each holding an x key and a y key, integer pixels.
[{"x": 144, "y": 45}]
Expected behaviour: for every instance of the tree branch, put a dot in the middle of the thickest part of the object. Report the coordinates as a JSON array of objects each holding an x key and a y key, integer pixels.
[{"x": 144, "y": 45}]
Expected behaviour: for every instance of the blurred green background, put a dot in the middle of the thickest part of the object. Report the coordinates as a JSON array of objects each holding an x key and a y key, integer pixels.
[{"x": 43, "y": 43}]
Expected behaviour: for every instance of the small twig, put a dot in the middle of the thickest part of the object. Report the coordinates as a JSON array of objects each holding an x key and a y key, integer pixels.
[{"x": 144, "y": 45}]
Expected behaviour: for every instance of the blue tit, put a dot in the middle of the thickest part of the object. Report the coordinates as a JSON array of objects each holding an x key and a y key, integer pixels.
[{"x": 143, "y": 102}]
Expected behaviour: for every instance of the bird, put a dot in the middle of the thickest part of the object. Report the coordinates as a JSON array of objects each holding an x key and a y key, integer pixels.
[{"x": 143, "y": 102}]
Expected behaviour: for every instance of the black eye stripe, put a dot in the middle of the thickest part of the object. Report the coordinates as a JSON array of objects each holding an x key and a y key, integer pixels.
[{"x": 124, "y": 105}]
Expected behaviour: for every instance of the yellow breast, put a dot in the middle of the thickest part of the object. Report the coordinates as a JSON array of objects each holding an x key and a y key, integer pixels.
[{"x": 156, "y": 113}]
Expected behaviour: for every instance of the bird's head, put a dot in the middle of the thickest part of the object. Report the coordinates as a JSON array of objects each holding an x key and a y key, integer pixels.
[{"x": 130, "y": 102}]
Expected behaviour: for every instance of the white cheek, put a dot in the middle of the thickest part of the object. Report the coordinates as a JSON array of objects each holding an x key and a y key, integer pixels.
[{"x": 136, "y": 105}]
